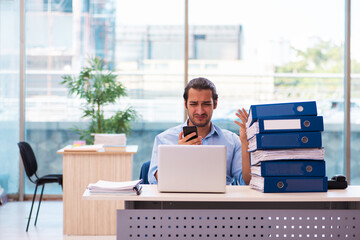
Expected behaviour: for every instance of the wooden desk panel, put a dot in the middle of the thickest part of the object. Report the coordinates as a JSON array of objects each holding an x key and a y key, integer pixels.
[{"x": 79, "y": 169}]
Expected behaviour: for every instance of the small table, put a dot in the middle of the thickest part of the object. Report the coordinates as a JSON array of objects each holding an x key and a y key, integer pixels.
[{"x": 80, "y": 169}]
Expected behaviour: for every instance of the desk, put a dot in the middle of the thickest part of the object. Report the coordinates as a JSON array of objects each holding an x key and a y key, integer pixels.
[
  {"x": 240, "y": 213},
  {"x": 82, "y": 168}
]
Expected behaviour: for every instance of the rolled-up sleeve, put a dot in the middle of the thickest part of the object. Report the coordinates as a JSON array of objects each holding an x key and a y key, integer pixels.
[{"x": 154, "y": 163}]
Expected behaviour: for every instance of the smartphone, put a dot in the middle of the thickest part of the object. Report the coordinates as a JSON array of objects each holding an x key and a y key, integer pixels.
[{"x": 190, "y": 129}]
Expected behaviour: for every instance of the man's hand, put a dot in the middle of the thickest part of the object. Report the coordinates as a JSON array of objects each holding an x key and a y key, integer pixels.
[
  {"x": 183, "y": 140},
  {"x": 242, "y": 115}
]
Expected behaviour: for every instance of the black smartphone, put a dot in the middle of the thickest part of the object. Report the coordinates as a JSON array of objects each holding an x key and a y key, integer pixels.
[{"x": 190, "y": 129}]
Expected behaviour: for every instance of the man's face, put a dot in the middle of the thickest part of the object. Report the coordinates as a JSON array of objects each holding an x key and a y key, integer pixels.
[{"x": 200, "y": 106}]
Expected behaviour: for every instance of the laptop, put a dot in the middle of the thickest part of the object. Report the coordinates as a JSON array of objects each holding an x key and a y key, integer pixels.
[{"x": 192, "y": 168}]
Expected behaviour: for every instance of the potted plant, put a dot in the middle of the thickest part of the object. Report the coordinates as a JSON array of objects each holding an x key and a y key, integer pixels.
[{"x": 98, "y": 87}]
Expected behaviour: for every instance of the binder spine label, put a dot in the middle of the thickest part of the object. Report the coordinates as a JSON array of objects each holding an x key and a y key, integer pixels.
[{"x": 282, "y": 124}]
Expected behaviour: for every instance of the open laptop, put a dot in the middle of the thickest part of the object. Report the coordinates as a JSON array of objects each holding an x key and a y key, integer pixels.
[{"x": 192, "y": 168}]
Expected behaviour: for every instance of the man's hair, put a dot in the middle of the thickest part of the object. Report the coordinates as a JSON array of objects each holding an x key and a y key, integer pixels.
[{"x": 201, "y": 83}]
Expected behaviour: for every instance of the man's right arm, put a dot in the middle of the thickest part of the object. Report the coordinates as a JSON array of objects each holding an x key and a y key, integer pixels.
[{"x": 152, "y": 178}]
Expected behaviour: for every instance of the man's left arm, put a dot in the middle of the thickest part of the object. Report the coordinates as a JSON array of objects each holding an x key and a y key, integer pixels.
[
  {"x": 245, "y": 162},
  {"x": 242, "y": 114}
]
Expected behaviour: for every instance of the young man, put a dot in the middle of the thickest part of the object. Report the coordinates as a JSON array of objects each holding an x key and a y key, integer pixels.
[{"x": 200, "y": 99}]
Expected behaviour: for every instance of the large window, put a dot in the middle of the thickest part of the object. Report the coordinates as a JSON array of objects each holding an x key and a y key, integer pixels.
[
  {"x": 9, "y": 95},
  {"x": 254, "y": 51},
  {"x": 145, "y": 49},
  {"x": 355, "y": 93},
  {"x": 150, "y": 62},
  {"x": 281, "y": 51}
]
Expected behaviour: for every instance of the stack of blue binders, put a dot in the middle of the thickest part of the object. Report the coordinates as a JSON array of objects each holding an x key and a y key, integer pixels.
[{"x": 285, "y": 146}]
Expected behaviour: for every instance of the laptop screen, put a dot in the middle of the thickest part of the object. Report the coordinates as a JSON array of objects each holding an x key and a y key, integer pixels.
[{"x": 191, "y": 168}]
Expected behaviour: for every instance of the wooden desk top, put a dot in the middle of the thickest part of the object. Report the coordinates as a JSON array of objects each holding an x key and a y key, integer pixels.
[
  {"x": 130, "y": 149},
  {"x": 234, "y": 194}
]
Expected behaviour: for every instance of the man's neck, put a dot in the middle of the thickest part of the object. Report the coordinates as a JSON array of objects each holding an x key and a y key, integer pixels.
[{"x": 202, "y": 131}]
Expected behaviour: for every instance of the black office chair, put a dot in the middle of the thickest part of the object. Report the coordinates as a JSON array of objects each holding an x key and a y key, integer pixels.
[
  {"x": 30, "y": 165},
  {"x": 144, "y": 172}
]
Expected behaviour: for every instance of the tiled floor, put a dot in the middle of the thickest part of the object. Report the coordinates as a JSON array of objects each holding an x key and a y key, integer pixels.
[{"x": 13, "y": 220}]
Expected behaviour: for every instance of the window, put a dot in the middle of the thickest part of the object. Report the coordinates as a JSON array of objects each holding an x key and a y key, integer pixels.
[
  {"x": 9, "y": 95},
  {"x": 144, "y": 47},
  {"x": 254, "y": 51},
  {"x": 281, "y": 51},
  {"x": 355, "y": 93}
]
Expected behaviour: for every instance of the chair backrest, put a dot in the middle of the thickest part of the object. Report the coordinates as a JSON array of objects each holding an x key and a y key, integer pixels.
[
  {"x": 144, "y": 172},
  {"x": 28, "y": 159}
]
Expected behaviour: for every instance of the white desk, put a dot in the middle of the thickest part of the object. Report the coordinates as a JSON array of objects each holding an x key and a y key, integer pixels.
[
  {"x": 80, "y": 169},
  {"x": 234, "y": 194},
  {"x": 240, "y": 213}
]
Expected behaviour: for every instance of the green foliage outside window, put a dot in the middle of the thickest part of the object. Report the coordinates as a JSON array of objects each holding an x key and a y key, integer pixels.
[
  {"x": 323, "y": 58},
  {"x": 99, "y": 88}
]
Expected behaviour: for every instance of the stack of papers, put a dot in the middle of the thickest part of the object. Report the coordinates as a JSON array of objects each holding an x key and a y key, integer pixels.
[
  {"x": 288, "y": 154},
  {"x": 110, "y": 139},
  {"x": 85, "y": 148},
  {"x": 257, "y": 183},
  {"x": 115, "y": 148},
  {"x": 110, "y": 187},
  {"x": 252, "y": 130}
]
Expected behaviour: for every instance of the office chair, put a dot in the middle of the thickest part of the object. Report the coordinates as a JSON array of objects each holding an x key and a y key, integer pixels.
[
  {"x": 144, "y": 172},
  {"x": 30, "y": 165}
]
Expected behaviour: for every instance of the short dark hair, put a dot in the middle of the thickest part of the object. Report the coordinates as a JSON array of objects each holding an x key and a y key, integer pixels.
[{"x": 200, "y": 83}]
